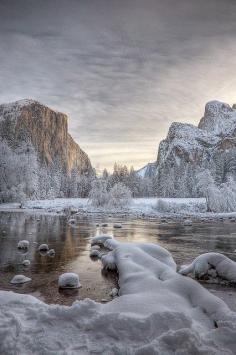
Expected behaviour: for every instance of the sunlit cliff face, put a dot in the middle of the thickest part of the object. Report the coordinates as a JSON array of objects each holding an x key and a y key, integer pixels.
[{"x": 122, "y": 71}]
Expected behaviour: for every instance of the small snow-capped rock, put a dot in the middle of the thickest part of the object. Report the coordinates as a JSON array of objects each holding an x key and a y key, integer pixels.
[
  {"x": 117, "y": 225},
  {"x": 187, "y": 222},
  {"x": 114, "y": 292},
  {"x": 100, "y": 239},
  {"x": 20, "y": 279},
  {"x": 51, "y": 252},
  {"x": 26, "y": 262},
  {"x": 69, "y": 280},
  {"x": 71, "y": 221},
  {"x": 94, "y": 253},
  {"x": 104, "y": 225},
  {"x": 43, "y": 247},
  {"x": 23, "y": 244}
]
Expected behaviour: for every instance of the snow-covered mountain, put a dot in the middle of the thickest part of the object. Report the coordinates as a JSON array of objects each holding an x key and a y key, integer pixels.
[
  {"x": 147, "y": 171},
  {"x": 28, "y": 126},
  {"x": 188, "y": 149}
]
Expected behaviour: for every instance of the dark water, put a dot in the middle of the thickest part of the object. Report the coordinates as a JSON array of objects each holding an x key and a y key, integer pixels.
[{"x": 72, "y": 246}]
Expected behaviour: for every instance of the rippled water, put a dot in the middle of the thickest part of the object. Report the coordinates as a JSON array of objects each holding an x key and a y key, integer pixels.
[{"x": 71, "y": 244}]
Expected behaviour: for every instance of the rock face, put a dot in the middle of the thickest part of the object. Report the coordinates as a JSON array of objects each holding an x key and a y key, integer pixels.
[
  {"x": 189, "y": 149},
  {"x": 37, "y": 142},
  {"x": 147, "y": 171},
  {"x": 30, "y": 121}
]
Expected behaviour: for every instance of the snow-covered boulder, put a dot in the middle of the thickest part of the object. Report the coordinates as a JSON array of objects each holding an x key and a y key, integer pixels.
[
  {"x": 20, "y": 279},
  {"x": 94, "y": 253},
  {"x": 51, "y": 252},
  {"x": 69, "y": 280},
  {"x": 212, "y": 264},
  {"x": 43, "y": 247},
  {"x": 23, "y": 244},
  {"x": 26, "y": 262},
  {"x": 187, "y": 222}
]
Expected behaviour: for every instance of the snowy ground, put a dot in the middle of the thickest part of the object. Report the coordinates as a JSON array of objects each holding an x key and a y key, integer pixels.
[
  {"x": 158, "y": 311},
  {"x": 140, "y": 207}
]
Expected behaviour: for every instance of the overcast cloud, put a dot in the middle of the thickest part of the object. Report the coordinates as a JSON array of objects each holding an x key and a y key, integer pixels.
[{"x": 122, "y": 70}]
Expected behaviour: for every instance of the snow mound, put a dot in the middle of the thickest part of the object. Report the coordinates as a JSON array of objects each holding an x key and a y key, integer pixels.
[
  {"x": 20, "y": 279},
  {"x": 69, "y": 280},
  {"x": 23, "y": 244},
  {"x": 213, "y": 265}
]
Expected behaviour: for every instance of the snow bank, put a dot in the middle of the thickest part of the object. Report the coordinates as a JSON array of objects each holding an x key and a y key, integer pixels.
[
  {"x": 158, "y": 311},
  {"x": 212, "y": 265}
]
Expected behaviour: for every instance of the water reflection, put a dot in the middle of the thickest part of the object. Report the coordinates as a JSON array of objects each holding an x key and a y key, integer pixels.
[{"x": 71, "y": 244}]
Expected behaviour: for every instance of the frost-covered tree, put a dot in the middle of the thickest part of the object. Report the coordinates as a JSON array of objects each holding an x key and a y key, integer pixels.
[
  {"x": 220, "y": 198},
  {"x": 98, "y": 194},
  {"x": 119, "y": 196},
  {"x": 18, "y": 172}
]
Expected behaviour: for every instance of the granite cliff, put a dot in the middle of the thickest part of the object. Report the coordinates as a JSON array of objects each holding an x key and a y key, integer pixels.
[
  {"x": 188, "y": 149},
  {"x": 28, "y": 123},
  {"x": 47, "y": 130}
]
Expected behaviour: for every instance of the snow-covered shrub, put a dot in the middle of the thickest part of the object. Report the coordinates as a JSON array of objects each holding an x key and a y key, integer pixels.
[
  {"x": 98, "y": 194},
  {"x": 181, "y": 205},
  {"x": 119, "y": 196},
  {"x": 220, "y": 198}
]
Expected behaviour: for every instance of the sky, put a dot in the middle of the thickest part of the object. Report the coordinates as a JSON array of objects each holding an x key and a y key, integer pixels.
[{"x": 122, "y": 70}]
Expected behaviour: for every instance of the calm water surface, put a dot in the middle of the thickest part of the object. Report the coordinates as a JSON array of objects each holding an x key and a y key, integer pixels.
[{"x": 72, "y": 246}]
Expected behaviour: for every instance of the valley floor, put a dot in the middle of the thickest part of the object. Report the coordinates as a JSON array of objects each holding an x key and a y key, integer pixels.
[{"x": 175, "y": 208}]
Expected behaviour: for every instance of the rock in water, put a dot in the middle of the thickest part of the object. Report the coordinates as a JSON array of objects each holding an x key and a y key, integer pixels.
[
  {"x": 26, "y": 262},
  {"x": 69, "y": 280},
  {"x": 20, "y": 279},
  {"x": 23, "y": 244},
  {"x": 187, "y": 222},
  {"x": 51, "y": 252},
  {"x": 43, "y": 247},
  {"x": 117, "y": 225}
]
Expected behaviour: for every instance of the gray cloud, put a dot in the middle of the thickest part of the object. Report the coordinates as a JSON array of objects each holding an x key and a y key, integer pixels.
[{"x": 122, "y": 70}]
